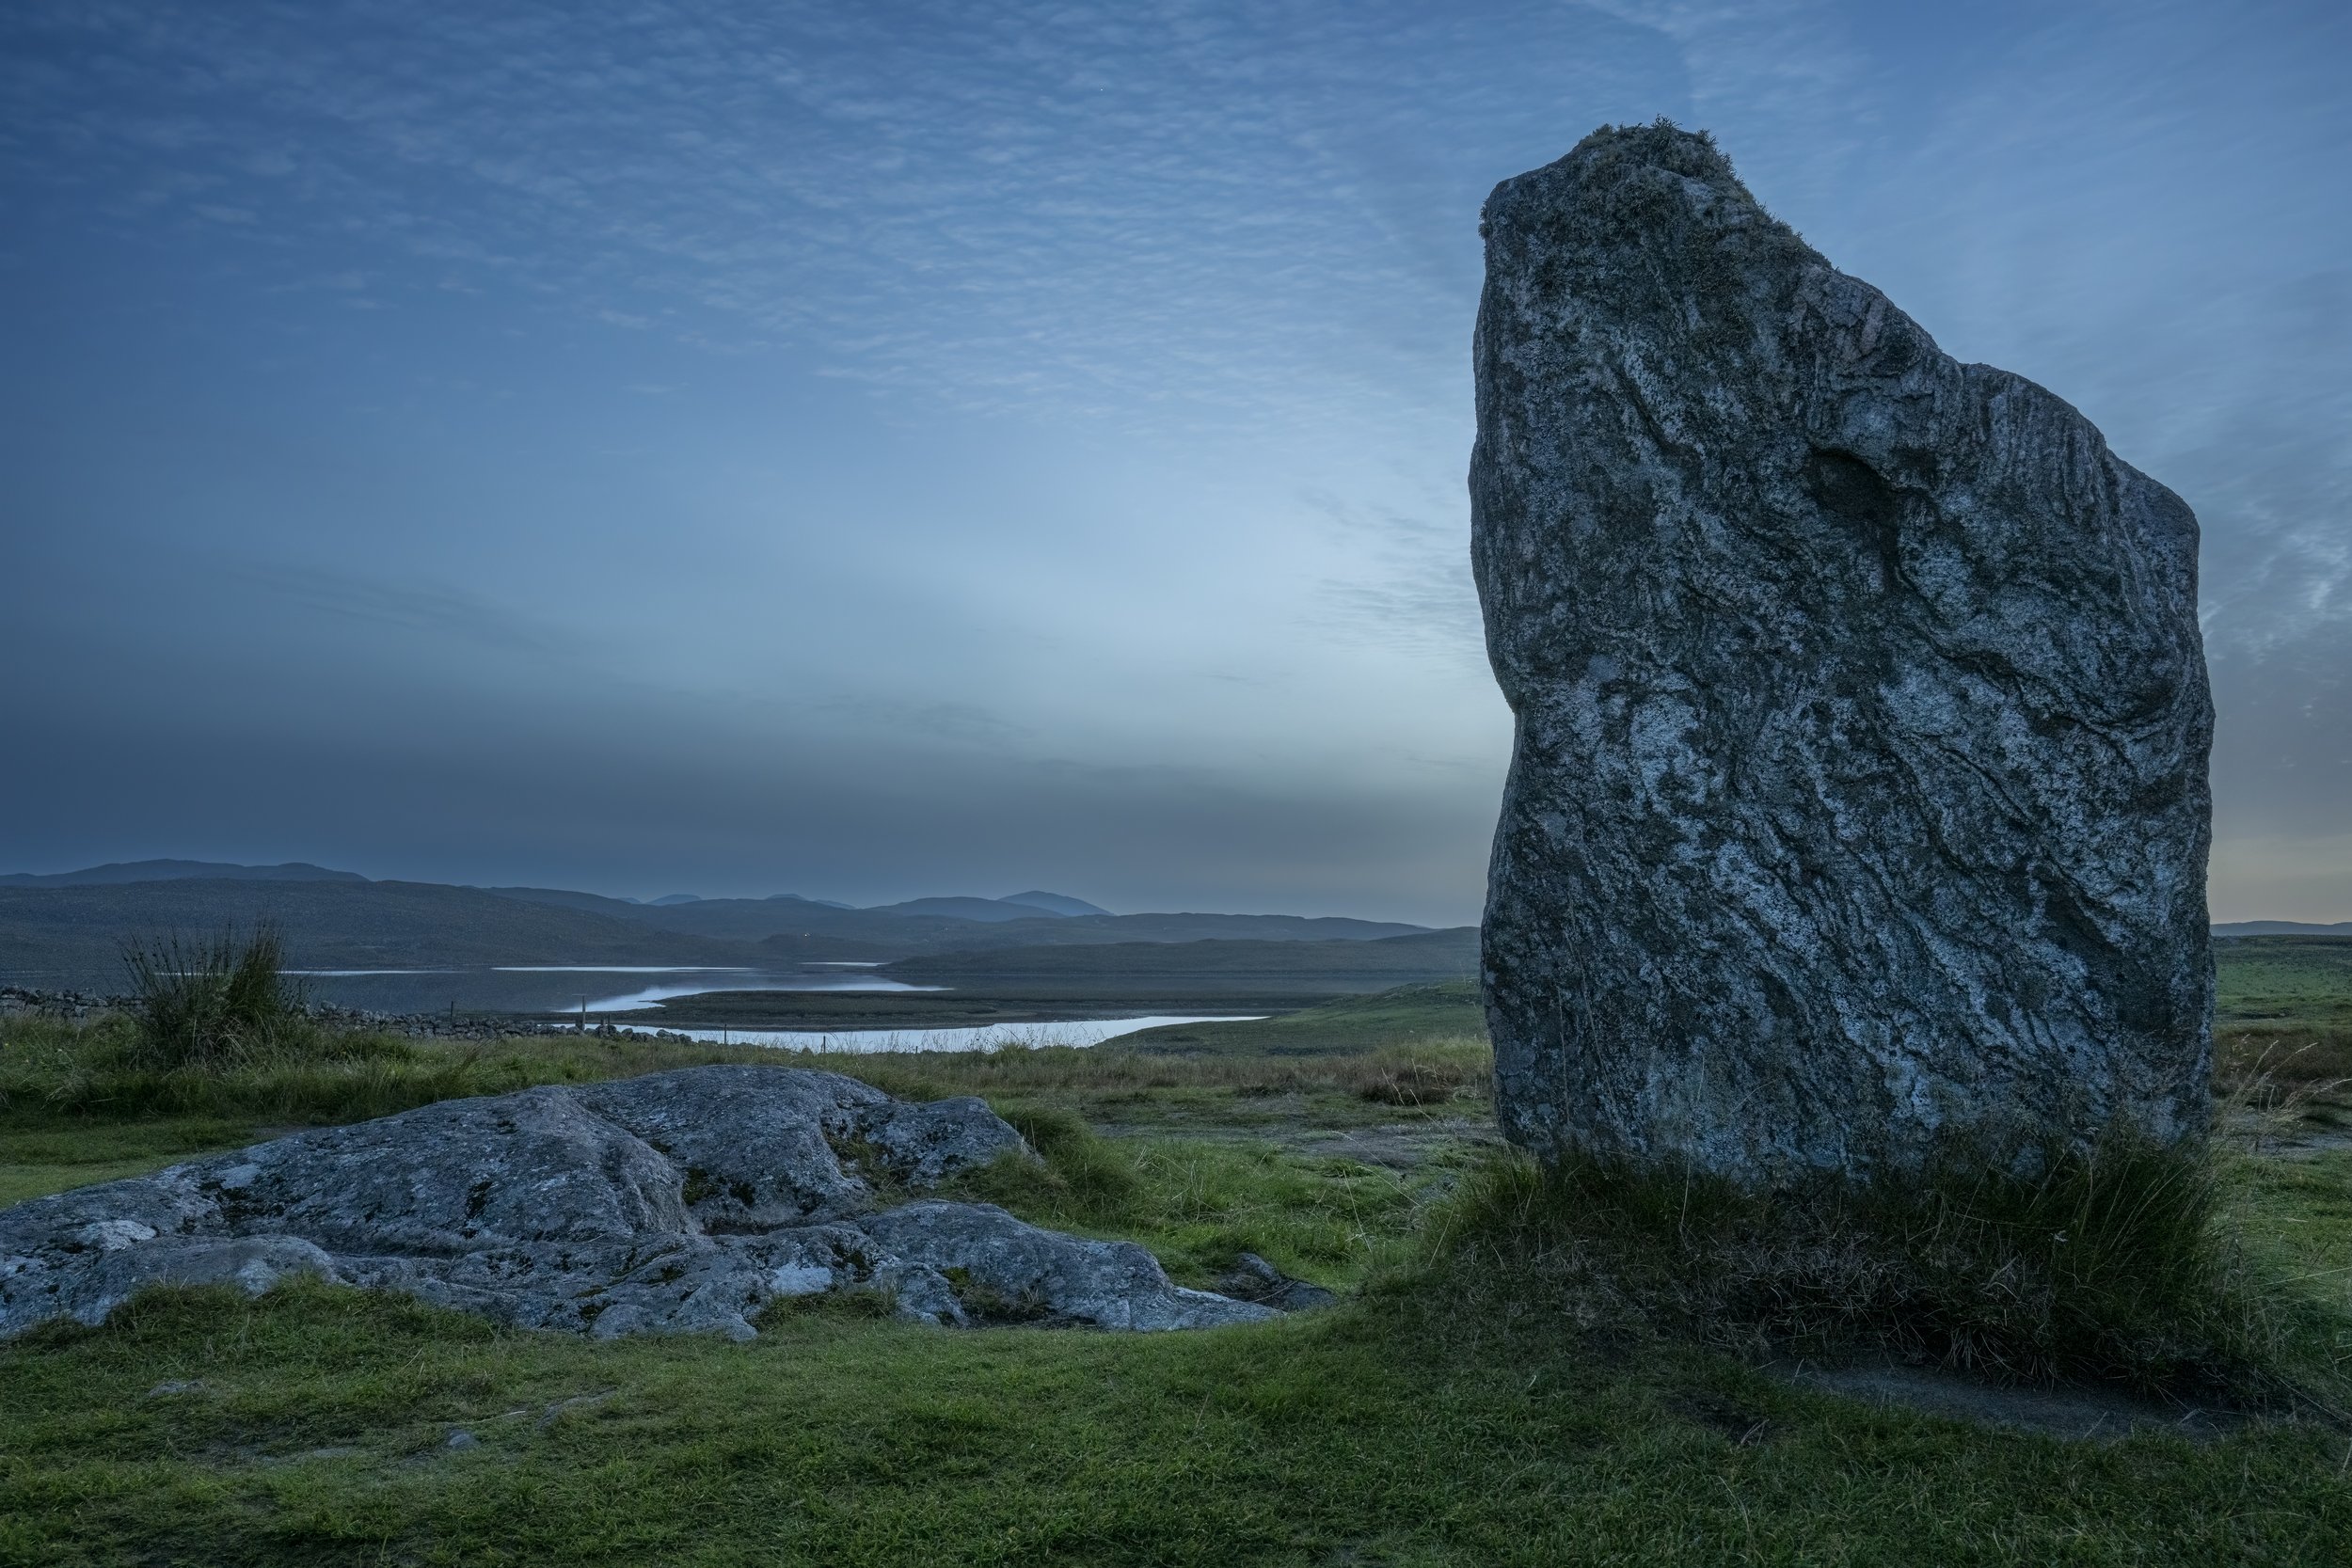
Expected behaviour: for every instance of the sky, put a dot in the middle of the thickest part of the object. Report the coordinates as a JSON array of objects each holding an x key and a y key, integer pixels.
[{"x": 870, "y": 450}]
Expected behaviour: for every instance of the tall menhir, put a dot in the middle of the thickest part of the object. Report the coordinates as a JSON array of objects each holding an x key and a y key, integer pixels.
[{"x": 1859, "y": 795}]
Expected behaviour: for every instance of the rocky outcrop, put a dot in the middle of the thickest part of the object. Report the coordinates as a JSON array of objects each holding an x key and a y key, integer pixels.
[
  {"x": 1859, "y": 795},
  {"x": 681, "y": 1201}
]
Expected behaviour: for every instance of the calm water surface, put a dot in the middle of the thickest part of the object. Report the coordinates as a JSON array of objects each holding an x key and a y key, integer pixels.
[
  {"x": 994, "y": 1036},
  {"x": 565, "y": 989}
]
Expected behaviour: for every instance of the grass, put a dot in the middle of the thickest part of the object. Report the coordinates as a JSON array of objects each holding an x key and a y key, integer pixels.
[
  {"x": 2287, "y": 1081},
  {"x": 2303, "y": 980},
  {"x": 1200, "y": 1204},
  {"x": 205, "y": 1003},
  {"x": 2119, "y": 1267},
  {"x": 1483, "y": 1396},
  {"x": 314, "y": 1425},
  {"x": 76, "y": 1107},
  {"x": 42, "y": 1154},
  {"x": 56, "y": 1073}
]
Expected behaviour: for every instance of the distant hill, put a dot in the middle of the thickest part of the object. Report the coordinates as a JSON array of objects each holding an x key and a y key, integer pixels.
[
  {"x": 620, "y": 909},
  {"x": 73, "y": 934},
  {"x": 1053, "y": 903},
  {"x": 789, "y": 949},
  {"x": 1426, "y": 956},
  {"x": 119, "y": 872},
  {"x": 966, "y": 909},
  {"x": 1020, "y": 906},
  {"x": 755, "y": 919},
  {"x": 903, "y": 931},
  {"x": 760, "y": 919},
  {"x": 779, "y": 916},
  {"x": 1189, "y": 928},
  {"x": 2283, "y": 928}
]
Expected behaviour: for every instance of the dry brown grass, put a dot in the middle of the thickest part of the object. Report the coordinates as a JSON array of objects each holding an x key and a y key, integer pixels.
[
  {"x": 1427, "y": 1073},
  {"x": 2282, "y": 1065},
  {"x": 95, "y": 1068}
]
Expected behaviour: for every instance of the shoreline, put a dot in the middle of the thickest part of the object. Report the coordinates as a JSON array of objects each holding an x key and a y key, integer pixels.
[{"x": 823, "y": 1012}]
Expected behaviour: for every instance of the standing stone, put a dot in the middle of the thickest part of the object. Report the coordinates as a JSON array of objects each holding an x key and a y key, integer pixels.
[{"x": 1859, "y": 794}]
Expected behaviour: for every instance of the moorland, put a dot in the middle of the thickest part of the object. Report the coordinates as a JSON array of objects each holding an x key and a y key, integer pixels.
[
  {"x": 411, "y": 948},
  {"x": 1490, "y": 1390}
]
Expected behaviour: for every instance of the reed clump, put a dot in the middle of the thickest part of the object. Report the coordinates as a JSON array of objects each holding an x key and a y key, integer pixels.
[{"x": 211, "y": 1003}]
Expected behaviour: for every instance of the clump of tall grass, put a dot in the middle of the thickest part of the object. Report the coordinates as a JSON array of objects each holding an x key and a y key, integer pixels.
[
  {"x": 2116, "y": 1264},
  {"x": 214, "y": 1027},
  {"x": 1434, "y": 1074},
  {"x": 212, "y": 1002}
]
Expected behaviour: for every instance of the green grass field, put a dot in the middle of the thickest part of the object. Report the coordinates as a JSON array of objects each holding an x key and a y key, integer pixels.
[
  {"x": 2292, "y": 979},
  {"x": 1443, "y": 1414}
]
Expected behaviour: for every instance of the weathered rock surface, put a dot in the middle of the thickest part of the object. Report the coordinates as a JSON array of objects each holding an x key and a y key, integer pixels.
[
  {"x": 1859, "y": 795},
  {"x": 681, "y": 1201},
  {"x": 1252, "y": 1278}
]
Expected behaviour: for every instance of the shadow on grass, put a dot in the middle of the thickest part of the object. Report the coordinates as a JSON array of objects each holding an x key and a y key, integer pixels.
[{"x": 2118, "y": 1267}]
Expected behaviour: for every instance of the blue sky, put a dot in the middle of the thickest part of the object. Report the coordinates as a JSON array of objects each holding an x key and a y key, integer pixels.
[{"x": 882, "y": 449}]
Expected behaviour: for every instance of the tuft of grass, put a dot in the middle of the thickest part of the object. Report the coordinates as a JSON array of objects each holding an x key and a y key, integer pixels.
[
  {"x": 1077, "y": 1179},
  {"x": 107, "y": 1071},
  {"x": 991, "y": 1307},
  {"x": 2119, "y": 1265},
  {"x": 202, "y": 1004},
  {"x": 862, "y": 1305}
]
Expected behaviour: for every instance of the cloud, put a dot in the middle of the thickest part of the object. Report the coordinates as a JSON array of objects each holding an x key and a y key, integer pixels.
[
  {"x": 1196, "y": 273},
  {"x": 1185, "y": 208},
  {"x": 441, "y": 610},
  {"x": 1406, "y": 584}
]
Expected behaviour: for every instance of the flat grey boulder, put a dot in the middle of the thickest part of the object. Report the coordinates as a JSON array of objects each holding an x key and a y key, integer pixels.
[
  {"x": 682, "y": 1201},
  {"x": 1858, "y": 803}
]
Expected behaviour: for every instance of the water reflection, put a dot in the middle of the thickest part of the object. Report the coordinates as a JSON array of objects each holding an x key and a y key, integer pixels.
[
  {"x": 601, "y": 969},
  {"x": 564, "y": 987},
  {"x": 734, "y": 980},
  {"x": 994, "y": 1036}
]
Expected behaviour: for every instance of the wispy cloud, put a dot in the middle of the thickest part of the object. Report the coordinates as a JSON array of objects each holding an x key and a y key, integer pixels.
[
  {"x": 1240, "y": 234},
  {"x": 1404, "y": 583},
  {"x": 442, "y": 612},
  {"x": 1200, "y": 209}
]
